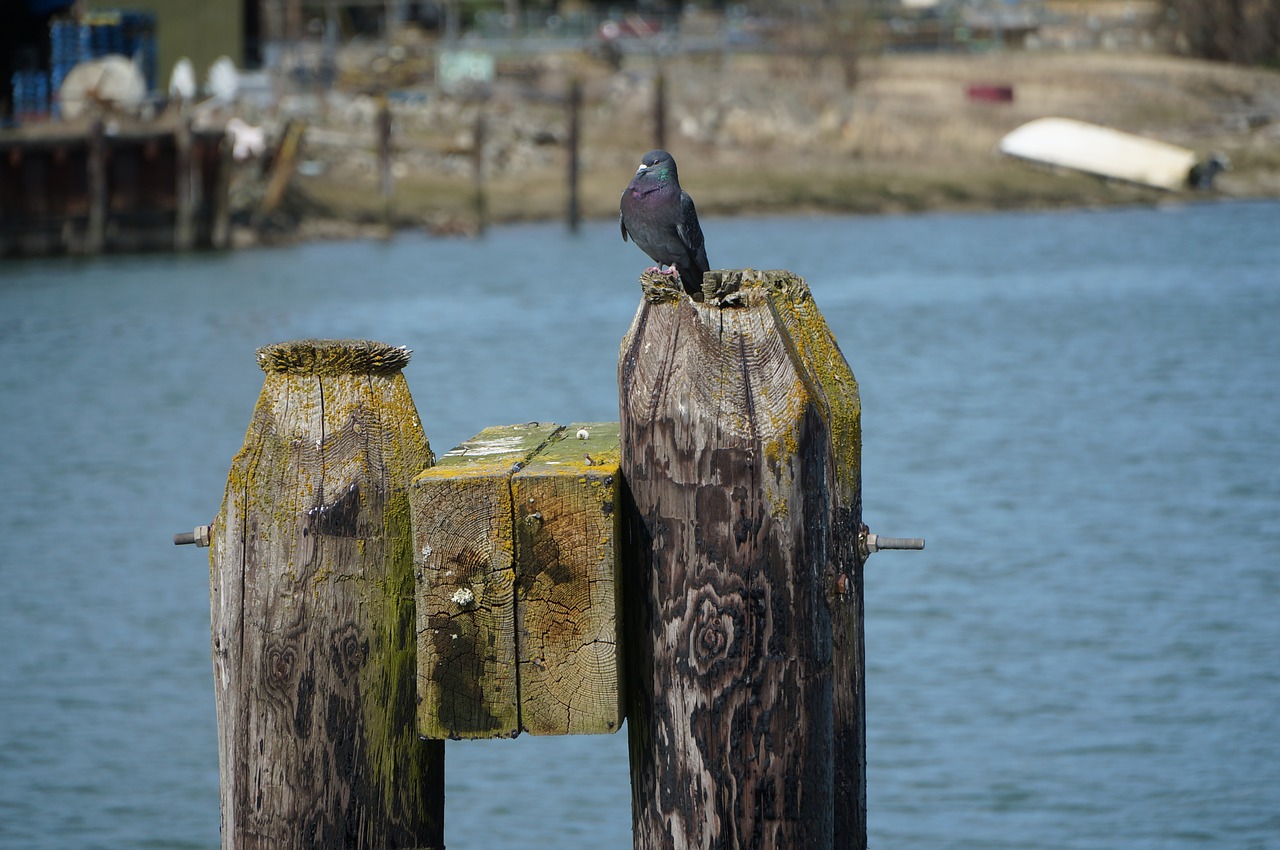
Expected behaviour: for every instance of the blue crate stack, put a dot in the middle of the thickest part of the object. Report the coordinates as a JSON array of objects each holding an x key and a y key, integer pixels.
[
  {"x": 66, "y": 50},
  {"x": 30, "y": 96}
]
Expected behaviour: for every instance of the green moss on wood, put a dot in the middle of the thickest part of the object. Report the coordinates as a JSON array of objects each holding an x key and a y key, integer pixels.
[{"x": 336, "y": 426}]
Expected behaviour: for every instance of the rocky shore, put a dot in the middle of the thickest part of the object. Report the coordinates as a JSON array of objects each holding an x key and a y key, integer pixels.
[{"x": 755, "y": 134}]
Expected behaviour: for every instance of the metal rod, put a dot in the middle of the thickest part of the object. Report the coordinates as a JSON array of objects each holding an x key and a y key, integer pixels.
[{"x": 899, "y": 542}]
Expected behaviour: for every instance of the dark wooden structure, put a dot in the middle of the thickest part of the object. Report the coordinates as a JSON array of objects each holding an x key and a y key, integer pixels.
[
  {"x": 113, "y": 185},
  {"x": 741, "y": 443},
  {"x": 312, "y": 596}
]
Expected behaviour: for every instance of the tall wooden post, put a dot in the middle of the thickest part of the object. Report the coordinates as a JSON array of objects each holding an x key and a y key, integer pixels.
[
  {"x": 480, "y": 200},
  {"x": 220, "y": 230},
  {"x": 386, "y": 184},
  {"x": 573, "y": 214},
  {"x": 187, "y": 191},
  {"x": 741, "y": 442},
  {"x": 660, "y": 111},
  {"x": 96, "y": 231},
  {"x": 312, "y": 593}
]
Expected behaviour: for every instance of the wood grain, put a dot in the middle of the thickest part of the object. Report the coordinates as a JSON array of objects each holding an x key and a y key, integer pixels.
[
  {"x": 567, "y": 576},
  {"x": 741, "y": 450},
  {"x": 311, "y": 591},
  {"x": 464, "y": 557}
]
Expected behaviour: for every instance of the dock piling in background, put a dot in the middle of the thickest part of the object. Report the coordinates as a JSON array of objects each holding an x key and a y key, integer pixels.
[
  {"x": 95, "y": 185},
  {"x": 186, "y": 186},
  {"x": 95, "y": 234},
  {"x": 573, "y": 213}
]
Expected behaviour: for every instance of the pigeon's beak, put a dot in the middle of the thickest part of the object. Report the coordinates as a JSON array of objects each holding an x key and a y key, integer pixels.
[{"x": 642, "y": 169}]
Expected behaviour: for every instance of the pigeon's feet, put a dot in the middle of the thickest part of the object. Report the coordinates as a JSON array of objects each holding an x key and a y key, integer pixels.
[{"x": 671, "y": 271}]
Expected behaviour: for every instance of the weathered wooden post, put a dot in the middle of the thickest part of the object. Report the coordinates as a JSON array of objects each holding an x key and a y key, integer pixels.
[
  {"x": 480, "y": 201},
  {"x": 386, "y": 183},
  {"x": 741, "y": 439},
  {"x": 220, "y": 229},
  {"x": 187, "y": 177},
  {"x": 660, "y": 110},
  {"x": 312, "y": 593},
  {"x": 95, "y": 239},
  {"x": 573, "y": 214}
]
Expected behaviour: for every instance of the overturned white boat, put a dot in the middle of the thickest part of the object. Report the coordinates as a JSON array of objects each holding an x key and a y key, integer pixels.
[{"x": 1080, "y": 146}]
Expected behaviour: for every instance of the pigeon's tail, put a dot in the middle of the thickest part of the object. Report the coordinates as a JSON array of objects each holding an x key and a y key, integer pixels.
[{"x": 691, "y": 279}]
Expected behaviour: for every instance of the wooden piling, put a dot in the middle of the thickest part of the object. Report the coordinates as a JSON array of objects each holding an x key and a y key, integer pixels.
[
  {"x": 187, "y": 187},
  {"x": 312, "y": 596},
  {"x": 573, "y": 214},
  {"x": 660, "y": 111},
  {"x": 386, "y": 184},
  {"x": 220, "y": 227},
  {"x": 480, "y": 199},
  {"x": 740, "y": 425},
  {"x": 283, "y": 165},
  {"x": 96, "y": 230}
]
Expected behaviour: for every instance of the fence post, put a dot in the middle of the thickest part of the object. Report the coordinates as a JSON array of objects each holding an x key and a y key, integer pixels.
[
  {"x": 187, "y": 178},
  {"x": 96, "y": 229},
  {"x": 741, "y": 450},
  {"x": 312, "y": 598},
  {"x": 573, "y": 214}
]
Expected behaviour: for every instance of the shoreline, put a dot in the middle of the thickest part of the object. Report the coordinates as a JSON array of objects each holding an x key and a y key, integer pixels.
[
  {"x": 767, "y": 135},
  {"x": 1045, "y": 191}
]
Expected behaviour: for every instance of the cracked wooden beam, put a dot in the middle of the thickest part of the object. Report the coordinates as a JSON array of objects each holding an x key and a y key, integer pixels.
[
  {"x": 567, "y": 583},
  {"x": 464, "y": 561}
]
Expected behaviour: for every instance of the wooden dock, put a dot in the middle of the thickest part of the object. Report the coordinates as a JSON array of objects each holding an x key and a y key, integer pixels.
[{"x": 112, "y": 185}]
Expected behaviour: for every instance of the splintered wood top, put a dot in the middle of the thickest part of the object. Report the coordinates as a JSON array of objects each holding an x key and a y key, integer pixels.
[{"x": 333, "y": 357}]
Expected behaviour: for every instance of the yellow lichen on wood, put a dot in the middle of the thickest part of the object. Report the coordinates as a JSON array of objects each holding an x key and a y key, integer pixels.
[
  {"x": 463, "y": 556},
  {"x": 826, "y": 373},
  {"x": 567, "y": 503}
]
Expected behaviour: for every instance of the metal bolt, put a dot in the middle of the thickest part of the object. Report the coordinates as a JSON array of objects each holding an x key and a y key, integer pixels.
[
  {"x": 199, "y": 536},
  {"x": 869, "y": 542}
]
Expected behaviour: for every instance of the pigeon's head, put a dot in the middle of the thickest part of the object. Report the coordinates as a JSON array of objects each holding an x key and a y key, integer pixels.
[{"x": 657, "y": 165}]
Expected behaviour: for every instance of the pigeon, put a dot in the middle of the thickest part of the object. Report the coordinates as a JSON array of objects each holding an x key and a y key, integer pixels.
[{"x": 660, "y": 218}]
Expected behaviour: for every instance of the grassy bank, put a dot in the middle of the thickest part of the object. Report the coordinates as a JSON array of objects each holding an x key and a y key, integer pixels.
[{"x": 758, "y": 134}]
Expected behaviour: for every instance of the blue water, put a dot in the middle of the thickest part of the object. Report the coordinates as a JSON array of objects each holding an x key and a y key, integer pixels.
[{"x": 1078, "y": 410}]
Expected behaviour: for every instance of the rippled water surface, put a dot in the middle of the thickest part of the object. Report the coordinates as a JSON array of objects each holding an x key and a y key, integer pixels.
[{"x": 1078, "y": 410}]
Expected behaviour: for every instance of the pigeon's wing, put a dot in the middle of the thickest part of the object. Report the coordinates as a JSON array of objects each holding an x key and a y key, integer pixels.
[
  {"x": 690, "y": 233},
  {"x": 622, "y": 225}
]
